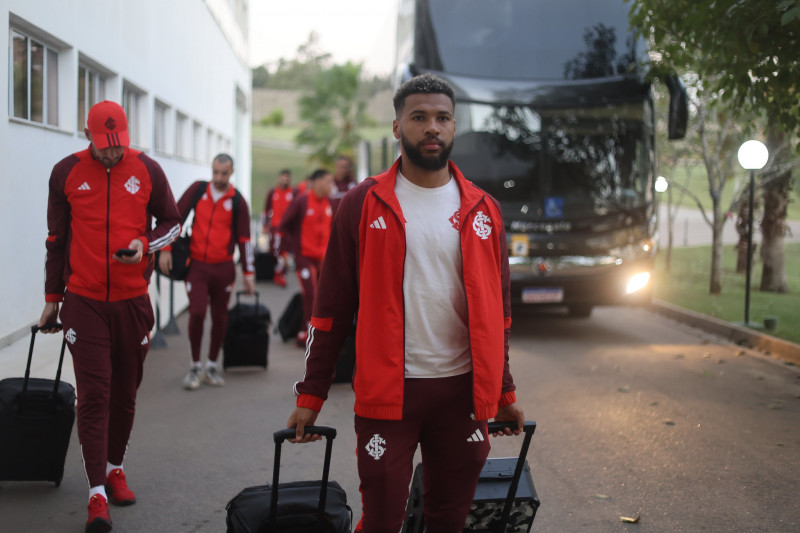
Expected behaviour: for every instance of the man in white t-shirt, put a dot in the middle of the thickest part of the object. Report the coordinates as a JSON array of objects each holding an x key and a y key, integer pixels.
[{"x": 419, "y": 255}]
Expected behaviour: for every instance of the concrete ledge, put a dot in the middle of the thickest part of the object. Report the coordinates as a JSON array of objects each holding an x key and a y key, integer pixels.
[{"x": 779, "y": 348}]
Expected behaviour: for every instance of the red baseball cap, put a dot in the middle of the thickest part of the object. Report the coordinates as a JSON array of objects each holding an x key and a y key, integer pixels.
[{"x": 108, "y": 125}]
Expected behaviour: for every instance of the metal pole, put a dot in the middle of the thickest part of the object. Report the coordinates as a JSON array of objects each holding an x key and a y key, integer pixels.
[
  {"x": 749, "y": 252},
  {"x": 172, "y": 326},
  {"x": 158, "y": 341}
]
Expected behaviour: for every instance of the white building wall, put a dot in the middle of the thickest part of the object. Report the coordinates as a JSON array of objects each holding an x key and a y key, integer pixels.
[{"x": 183, "y": 53}]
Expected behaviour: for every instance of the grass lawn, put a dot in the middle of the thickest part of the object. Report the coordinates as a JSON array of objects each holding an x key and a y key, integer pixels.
[
  {"x": 268, "y": 161},
  {"x": 687, "y": 286}
]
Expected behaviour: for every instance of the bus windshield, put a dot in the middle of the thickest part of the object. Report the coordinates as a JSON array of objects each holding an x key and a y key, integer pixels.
[
  {"x": 524, "y": 39},
  {"x": 589, "y": 161}
]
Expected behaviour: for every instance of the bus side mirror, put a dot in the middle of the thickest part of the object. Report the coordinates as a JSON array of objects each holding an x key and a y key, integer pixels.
[{"x": 678, "y": 108}]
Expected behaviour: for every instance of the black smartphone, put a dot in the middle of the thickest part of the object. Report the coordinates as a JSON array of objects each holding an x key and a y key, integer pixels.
[{"x": 127, "y": 252}]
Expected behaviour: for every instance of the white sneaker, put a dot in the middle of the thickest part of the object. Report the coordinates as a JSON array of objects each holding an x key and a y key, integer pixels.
[
  {"x": 192, "y": 379},
  {"x": 213, "y": 378}
]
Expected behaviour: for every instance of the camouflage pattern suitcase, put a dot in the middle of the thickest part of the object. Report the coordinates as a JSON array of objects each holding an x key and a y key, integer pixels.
[{"x": 505, "y": 499}]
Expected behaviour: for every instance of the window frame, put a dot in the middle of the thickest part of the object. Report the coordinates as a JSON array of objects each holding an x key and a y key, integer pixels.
[
  {"x": 101, "y": 75},
  {"x": 197, "y": 141},
  {"x": 161, "y": 115},
  {"x": 133, "y": 101},
  {"x": 182, "y": 135},
  {"x": 50, "y": 94}
]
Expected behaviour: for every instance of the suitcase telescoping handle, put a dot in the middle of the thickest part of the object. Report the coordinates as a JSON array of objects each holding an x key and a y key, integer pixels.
[
  {"x": 255, "y": 293},
  {"x": 34, "y": 330},
  {"x": 329, "y": 433},
  {"x": 528, "y": 428}
]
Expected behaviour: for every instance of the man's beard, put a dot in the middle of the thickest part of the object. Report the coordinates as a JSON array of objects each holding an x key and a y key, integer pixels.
[{"x": 414, "y": 155}]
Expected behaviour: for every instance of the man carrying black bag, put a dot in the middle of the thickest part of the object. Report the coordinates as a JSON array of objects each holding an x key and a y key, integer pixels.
[{"x": 221, "y": 222}]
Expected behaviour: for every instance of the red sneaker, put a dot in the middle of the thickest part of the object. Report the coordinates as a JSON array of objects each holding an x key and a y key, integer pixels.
[
  {"x": 279, "y": 279},
  {"x": 99, "y": 520},
  {"x": 117, "y": 488}
]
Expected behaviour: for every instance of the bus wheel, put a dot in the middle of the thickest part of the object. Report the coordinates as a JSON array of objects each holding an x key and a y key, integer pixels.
[{"x": 580, "y": 310}]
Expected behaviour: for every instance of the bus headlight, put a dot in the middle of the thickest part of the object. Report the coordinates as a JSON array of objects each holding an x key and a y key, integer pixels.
[{"x": 638, "y": 282}]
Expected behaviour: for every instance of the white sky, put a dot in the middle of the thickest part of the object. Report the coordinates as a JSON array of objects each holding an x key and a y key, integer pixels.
[{"x": 355, "y": 30}]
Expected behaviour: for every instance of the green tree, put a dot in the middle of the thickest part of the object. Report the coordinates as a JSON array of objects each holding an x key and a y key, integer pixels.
[
  {"x": 301, "y": 71},
  {"x": 744, "y": 53},
  {"x": 333, "y": 113},
  {"x": 711, "y": 137},
  {"x": 371, "y": 86},
  {"x": 260, "y": 77}
]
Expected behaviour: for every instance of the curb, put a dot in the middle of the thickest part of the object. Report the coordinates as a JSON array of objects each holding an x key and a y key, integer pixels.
[{"x": 778, "y": 348}]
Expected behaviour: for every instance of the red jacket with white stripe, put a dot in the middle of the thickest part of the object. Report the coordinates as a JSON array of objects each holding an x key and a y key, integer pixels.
[
  {"x": 214, "y": 238},
  {"x": 306, "y": 225},
  {"x": 278, "y": 199},
  {"x": 363, "y": 274},
  {"x": 92, "y": 212}
]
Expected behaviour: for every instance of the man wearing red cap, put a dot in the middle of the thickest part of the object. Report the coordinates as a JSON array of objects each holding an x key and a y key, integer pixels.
[{"x": 99, "y": 260}]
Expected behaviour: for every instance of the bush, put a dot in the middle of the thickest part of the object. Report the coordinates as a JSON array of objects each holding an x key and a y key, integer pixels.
[{"x": 274, "y": 118}]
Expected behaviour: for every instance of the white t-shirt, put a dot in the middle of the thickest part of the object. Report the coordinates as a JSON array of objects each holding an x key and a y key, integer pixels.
[
  {"x": 215, "y": 194},
  {"x": 436, "y": 332}
]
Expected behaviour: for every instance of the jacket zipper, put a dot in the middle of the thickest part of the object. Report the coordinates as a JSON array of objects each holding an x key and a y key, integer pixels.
[
  {"x": 210, "y": 224},
  {"x": 108, "y": 231}
]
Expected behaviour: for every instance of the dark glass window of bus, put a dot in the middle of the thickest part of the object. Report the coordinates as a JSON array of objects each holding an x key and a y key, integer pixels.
[{"x": 526, "y": 39}]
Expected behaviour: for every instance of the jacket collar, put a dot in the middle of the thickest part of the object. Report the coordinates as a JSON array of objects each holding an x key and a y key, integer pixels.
[
  {"x": 228, "y": 194},
  {"x": 125, "y": 155},
  {"x": 384, "y": 188}
]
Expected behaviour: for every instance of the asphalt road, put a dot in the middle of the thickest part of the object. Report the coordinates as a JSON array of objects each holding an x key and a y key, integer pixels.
[{"x": 638, "y": 416}]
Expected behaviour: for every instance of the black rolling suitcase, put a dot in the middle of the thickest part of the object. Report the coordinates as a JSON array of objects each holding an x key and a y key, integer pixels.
[
  {"x": 291, "y": 320},
  {"x": 297, "y": 507},
  {"x": 505, "y": 499},
  {"x": 265, "y": 266},
  {"x": 36, "y": 418},
  {"x": 247, "y": 337}
]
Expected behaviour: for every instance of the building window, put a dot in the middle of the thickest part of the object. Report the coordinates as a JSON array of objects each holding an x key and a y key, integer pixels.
[
  {"x": 34, "y": 74},
  {"x": 91, "y": 89},
  {"x": 197, "y": 142},
  {"x": 210, "y": 146},
  {"x": 160, "y": 127},
  {"x": 132, "y": 100},
  {"x": 182, "y": 145}
]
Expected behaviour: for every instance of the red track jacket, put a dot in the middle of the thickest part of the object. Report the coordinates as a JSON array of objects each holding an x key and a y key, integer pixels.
[
  {"x": 363, "y": 274},
  {"x": 214, "y": 238},
  {"x": 92, "y": 212},
  {"x": 277, "y": 201},
  {"x": 306, "y": 225}
]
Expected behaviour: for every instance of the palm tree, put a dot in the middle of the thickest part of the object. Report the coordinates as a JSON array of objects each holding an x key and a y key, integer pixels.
[{"x": 333, "y": 112}]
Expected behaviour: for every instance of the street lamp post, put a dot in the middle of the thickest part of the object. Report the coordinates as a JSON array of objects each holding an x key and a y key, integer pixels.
[{"x": 753, "y": 156}]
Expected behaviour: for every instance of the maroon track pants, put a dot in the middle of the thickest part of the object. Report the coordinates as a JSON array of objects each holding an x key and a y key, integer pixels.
[
  {"x": 209, "y": 285},
  {"x": 108, "y": 342},
  {"x": 437, "y": 415},
  {"x": 277, "y": 249}
]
